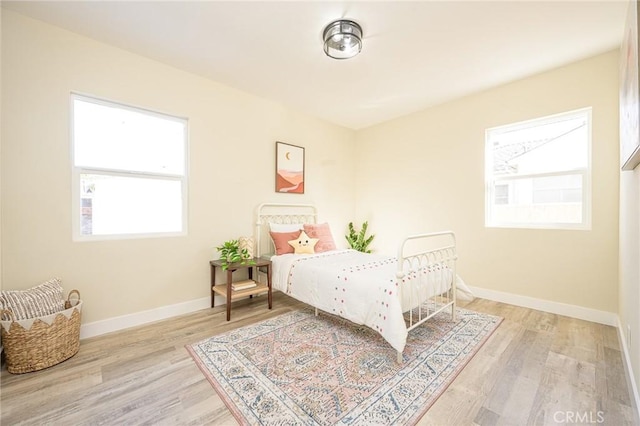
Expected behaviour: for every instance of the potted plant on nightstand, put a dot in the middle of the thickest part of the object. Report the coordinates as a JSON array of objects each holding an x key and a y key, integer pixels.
[{"x": 230, "y": 252}]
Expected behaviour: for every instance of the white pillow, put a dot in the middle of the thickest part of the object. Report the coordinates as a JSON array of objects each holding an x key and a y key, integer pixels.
[
  {"x": 285, "y": 227},
  {"x": 39, "y": 301}
]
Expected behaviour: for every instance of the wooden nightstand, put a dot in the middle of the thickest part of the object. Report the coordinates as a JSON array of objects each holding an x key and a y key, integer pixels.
[{"x": 226, "y": 289}]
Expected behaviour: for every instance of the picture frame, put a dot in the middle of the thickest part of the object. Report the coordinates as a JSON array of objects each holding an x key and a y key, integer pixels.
[
  {"x": 629, "y": 92},
  {"x": 290, "y": 175}
]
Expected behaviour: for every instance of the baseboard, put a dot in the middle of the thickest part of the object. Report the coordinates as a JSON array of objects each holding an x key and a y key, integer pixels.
[
  {"x": 131, "y": 320},
  {"x": 628, "y": 368},
  {"x": 573, "y": 311}
]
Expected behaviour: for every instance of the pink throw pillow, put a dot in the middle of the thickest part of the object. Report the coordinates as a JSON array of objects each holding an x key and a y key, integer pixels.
[
  {"x": 323, "y": 233},
  {"x": 281, "y": 241}
]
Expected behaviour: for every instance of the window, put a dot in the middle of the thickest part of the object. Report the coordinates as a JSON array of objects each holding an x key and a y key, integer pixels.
[
  {"x": 538, "y": 173},
  {"x": 129, "y": 171}
]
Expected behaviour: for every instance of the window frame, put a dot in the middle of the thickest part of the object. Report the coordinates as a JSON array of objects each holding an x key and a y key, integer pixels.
[
  {"x": 77, "y": 171},
  {"x": 491, "y": 180}
]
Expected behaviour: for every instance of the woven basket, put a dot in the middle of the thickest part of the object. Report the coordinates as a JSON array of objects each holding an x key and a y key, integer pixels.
[{"x": 48, "y": 341}]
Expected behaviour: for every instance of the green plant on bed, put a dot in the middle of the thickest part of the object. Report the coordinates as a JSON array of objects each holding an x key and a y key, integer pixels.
[
  {"x": 230, "y": 252},
  {"x": 359, "y": 240}
]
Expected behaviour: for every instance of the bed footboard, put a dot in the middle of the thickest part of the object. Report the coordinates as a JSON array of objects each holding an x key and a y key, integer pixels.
[{"x": 426, "y": 275}]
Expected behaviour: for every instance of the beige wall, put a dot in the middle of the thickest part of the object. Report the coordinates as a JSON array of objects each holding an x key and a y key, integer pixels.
[
  {"x": 425, "y": 172},
  {"x": 232, "y": 151}
]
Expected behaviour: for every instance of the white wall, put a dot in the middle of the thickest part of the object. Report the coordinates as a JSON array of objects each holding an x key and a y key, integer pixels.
[
  {"x": 629, "y": 299},
  {"x": 232, "y": 166},
  {"x": 425, "y": 172}
]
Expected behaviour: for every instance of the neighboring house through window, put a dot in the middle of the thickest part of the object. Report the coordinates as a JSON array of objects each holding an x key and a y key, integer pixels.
[
  {"x": 538, "y": 172},
  {"x": 129, "y": 171}
]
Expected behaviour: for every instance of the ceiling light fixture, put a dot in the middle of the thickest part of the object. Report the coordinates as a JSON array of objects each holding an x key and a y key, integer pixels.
[{"x": 342, "y": 39}]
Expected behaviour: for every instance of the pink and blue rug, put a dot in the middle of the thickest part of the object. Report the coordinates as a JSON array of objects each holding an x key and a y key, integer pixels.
[{"x": 301, "y": 369}]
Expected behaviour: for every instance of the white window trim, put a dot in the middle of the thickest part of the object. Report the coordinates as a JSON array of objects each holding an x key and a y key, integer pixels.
[
  {"x": 585, "y": 172},
  {"x": 76, "y": 222}
]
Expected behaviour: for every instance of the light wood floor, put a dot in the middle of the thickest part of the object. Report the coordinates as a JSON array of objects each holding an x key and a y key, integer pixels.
[{"x": 536, "y": 369}]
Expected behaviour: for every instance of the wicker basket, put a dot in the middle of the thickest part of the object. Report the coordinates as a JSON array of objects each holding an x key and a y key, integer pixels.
[{"x": 48, "y": 341}]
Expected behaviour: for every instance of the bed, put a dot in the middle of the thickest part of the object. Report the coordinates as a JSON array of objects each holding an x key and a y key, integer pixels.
[{"x": 391, "y": 295}]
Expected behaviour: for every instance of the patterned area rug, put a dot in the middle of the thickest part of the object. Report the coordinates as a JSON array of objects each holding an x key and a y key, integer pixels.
[{"x": 301, "y": 369}]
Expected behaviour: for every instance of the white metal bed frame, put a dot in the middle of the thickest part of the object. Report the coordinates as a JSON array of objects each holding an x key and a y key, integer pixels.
[{"x": 443, "y": 256}]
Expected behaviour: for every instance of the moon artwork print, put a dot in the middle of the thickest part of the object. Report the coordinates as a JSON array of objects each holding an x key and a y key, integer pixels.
[{"x": 289, "y": 168}]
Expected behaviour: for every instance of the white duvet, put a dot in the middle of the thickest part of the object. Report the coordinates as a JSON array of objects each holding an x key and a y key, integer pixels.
[{"x": 359, "y": 287}]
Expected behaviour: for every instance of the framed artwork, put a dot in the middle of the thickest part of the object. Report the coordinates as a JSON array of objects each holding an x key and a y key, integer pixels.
[
  {"x": 629, "y": 96},
  {"x": 289, "y": 168}
]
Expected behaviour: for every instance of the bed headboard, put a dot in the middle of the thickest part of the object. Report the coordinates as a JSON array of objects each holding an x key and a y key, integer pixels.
[{"x": 279, "y": 213}]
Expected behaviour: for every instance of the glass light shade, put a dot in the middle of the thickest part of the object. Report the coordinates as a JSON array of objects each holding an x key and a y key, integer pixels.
[{"x": 342, "y": 39}]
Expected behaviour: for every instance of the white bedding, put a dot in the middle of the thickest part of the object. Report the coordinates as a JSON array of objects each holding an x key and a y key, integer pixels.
[{"x": 357, "y": 286}]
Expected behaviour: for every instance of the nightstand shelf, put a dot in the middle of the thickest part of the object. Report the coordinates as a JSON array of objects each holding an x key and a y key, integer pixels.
[
  {"x": 225, "y": 290},
  {"x": 221, "y": 289}
]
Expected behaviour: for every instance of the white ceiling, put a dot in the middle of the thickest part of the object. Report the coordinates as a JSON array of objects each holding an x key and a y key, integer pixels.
[{"x": 415, "y": 53}]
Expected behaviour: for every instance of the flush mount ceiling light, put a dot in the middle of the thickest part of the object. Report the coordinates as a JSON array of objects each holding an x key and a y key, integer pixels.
[{"x": 342, "y": 39}]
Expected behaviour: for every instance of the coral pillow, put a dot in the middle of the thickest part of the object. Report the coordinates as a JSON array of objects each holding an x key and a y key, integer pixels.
[
  {"x": 281, "y": 241},
  {"x": 303, "y": 244},
  {"x": 323, "y": 233}
]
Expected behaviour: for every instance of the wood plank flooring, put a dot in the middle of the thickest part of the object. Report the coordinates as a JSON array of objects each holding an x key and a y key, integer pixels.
[{"x": 536, "y": 369}]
